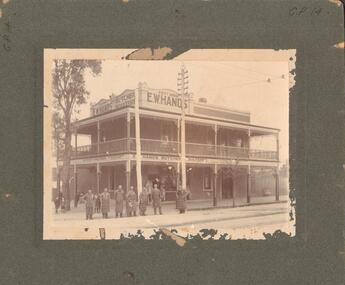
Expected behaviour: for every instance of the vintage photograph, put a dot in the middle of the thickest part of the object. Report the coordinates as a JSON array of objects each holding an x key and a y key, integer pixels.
[{"x": 197, "y": 142}]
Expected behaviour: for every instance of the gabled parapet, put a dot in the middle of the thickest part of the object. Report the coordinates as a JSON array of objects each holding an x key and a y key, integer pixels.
[{"x": 167, "y": 100}]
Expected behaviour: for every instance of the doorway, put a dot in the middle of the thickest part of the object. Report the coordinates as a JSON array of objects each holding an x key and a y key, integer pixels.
[{"x": 227, "y": 187}]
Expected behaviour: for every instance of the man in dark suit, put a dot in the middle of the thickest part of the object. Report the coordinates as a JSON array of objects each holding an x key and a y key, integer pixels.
[
  {"x": 119, "y": 196},
  {"x": 156, "y": 199},
  {"x": 89, "y": 204}
]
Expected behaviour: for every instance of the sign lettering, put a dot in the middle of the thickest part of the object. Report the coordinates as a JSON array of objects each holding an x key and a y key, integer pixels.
[
  {"x": 164, "y": 98},
  {"x": 161, "y": 99},
  {"x": 159, "y": 157}
]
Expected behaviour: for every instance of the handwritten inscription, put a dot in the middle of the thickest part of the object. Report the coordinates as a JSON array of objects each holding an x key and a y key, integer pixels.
[
  {"x": 304, "y": 11},
  {"x": 6, "y": 39}
]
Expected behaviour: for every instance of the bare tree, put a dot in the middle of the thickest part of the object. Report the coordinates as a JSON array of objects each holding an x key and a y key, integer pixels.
[{"x": 69, "y": 92}]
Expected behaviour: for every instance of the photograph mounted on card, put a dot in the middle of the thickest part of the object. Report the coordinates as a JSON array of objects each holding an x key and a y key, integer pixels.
[{"x": 197, "y": 142}]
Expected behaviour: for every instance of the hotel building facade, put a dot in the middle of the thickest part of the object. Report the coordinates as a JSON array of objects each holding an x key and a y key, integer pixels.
[{"x": 220, "y": 161}]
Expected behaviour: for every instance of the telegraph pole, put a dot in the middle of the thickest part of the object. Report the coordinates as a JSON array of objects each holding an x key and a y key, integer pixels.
[
  {"x": 182, "y": 83},
  {"x": 138, "y": 139}
]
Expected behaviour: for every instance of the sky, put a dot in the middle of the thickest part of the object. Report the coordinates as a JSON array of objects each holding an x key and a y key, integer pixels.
[{"x": 258, "y": 84}]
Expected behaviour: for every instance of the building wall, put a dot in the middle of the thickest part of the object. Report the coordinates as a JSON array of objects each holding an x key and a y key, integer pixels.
[
  {"x": 283, "y": 185},
  {"x": 263, "y": 185},
  {"x": 240, "y": 186},
  {"x": 196, "y": 183},
  {"x": 112, "y": 176},
  {"x": 86, "y": 180},
  {"x": 158, "y": 129},
  {"x": 110, "y": 130},
  {"x": 165, "y": 173},
  {"x": 224, "y": 114},
  {"x": 199, "y": 134},
  {"x": 104, "y": 178},
  {"x": 119, "y": 176},
  {"x": 233, "y": 138},
  {"x": 239, "y": 180}
]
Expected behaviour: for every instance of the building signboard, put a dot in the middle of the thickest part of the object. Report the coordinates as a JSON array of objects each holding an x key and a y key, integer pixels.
[
  {"x": 158, "y": 99},
  {"x": 123, "y": 100},
  {"x": 151, "y": 157},
  {"x": 161, "y": 99},
  {"x": 100, "y": 159},
  {"x": 115, "y": 102}
]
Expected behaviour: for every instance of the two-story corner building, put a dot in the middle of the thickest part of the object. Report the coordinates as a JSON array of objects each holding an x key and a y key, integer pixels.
[{"x": 220, "y": 160}]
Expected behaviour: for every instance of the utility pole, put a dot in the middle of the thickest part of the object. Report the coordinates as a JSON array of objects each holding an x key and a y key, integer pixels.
[
  {"x": 182, "y": 83},
  {"x": 234, "y": 172},
  {"x": 138, "y": 138}
]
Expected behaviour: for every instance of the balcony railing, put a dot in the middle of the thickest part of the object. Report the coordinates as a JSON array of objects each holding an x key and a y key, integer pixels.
[
  {"x": 232, "y": 152},
  {"x": 209, "y": 150},
  {"x": 113, "y": 146},
  {"x": 149, "y": 146},
  {"x": 86, "y": 150},
  {"x": 196, "y": 149},
  {"x": 158, "y": 146},
  {"x": 263, "y": 154}
]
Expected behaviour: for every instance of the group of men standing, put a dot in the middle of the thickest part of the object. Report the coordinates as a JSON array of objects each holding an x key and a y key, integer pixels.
[{"x": 130, "y": 201}]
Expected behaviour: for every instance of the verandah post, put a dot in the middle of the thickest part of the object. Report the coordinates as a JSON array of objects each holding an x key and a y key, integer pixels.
[
  {"x": 215, "y": 185},
  {"x": 128, "y": 132},
  {"x": 277, "y": 183},
  {"x": 178, "y": 153},
  {"x": 98, "y": 135},
  {"x": 76, "y": 185},
  {"x": 249, "y": 177},
  {"x": 277, "y": 169},
  {"x": 249, "y": 184},
  {"x": 98, "y": 174},
  {"x": 128, "y": 175},
  {"x": 182, "y": 81}
]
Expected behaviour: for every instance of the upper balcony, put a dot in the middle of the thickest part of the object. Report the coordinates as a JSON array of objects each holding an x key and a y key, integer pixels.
[
  {"x": 172, "y": 148},
  {"x": 162, "y": 136}
]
